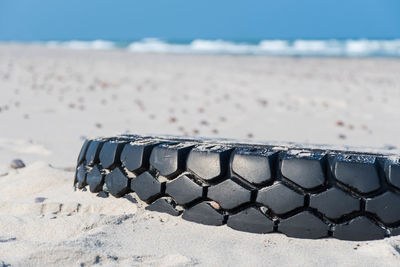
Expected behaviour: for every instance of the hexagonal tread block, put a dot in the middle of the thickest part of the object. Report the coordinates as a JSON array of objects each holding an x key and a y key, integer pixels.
[
  {"x": 357, "y": 172},
  {"x": 385, "y": 206},
  {"x": 117, "y": 182},
  {"x": 80, "y": 177},
  {"x": 164, "y": 205},
  {"x": 95, "y": 179},
  {"x": 359, "y": 229},
  {"x": 334, "y": 203},
  {"x": 304, "y": 225},
  {"x": 184, "y": 190},
  {"x": 169, "y": 159},
  {"x": 208, "y": 162},
  {"x": 229, "y": 194},
  {"x": 280, "y": 199},
  {"x": 82, "y": 154},
  {"x": 203, "y": 213},
  {"x": 109, "y": 154},
  {"x": 92, "y": 153},
  {"x": 392, "y": 171},
  {"x": 305, "y": 171},
  {"x": 251, "y": 220},
  {"x": 253, "y": 166},
  {"x": 146, "y": 187},
  {"x": 135, "y": 156}
]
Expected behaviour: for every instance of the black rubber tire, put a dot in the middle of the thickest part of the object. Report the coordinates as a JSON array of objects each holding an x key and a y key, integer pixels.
[{"x": 305, "y": 193}]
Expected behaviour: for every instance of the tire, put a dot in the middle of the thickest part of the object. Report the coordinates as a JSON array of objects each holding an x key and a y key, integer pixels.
[{"x": 304, "y": 193}]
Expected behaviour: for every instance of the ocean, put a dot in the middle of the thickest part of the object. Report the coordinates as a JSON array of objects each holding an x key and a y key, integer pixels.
[{"x": 318, "y": 48}]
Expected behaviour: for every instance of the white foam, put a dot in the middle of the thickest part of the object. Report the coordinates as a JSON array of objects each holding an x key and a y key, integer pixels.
[
  {"x": 83, "y": 45},
  {"x": 346, "y": 48},
  {"x": 153, "y": 45},
  {"x": 273, "y": 45},
  {"x": 220, "y": 46}
]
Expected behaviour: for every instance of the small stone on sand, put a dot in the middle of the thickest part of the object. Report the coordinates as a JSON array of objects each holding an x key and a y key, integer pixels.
[
  {"x": 17, "y": 164},
  {"x": 263, "y": 102},
  {"x": 340, "y": 123},
  {"x": 40, "y": 199}
]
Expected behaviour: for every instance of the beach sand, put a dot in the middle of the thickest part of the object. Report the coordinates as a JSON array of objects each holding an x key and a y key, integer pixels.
[{"x": 53, "y": 98}]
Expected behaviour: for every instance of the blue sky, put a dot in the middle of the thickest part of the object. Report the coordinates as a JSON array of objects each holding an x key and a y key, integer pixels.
[{"x": 124, "y": 20}]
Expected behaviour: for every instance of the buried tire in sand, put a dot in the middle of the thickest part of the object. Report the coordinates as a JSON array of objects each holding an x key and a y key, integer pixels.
[{"x": 259, "y": 188}]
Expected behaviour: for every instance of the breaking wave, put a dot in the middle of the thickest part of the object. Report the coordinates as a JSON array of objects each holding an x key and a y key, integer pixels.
[{"x": 335, "y": 48}]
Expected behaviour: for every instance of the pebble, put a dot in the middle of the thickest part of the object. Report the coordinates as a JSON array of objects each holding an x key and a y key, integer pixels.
[
  {"x": 340, "y": 123},
  {"x": 204, "y": 122},
  {"x": 264, "y": 209},
  {"x": 40, "y": 199},
  {"x": 215, "y": 205},
  {"x": 263, "y": 102},
  {"x": 17, "y": 164}
]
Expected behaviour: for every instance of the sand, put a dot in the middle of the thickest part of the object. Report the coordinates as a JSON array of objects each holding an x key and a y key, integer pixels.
[{"x": 51, "y": 99}]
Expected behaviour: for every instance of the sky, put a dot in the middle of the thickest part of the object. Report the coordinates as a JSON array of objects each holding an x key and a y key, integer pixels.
[{"x": 126, "y": 20}]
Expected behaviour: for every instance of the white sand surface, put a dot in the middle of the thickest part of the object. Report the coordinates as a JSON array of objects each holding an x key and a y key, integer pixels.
[
  {"x": 50, "y": 99},
  {"x": 44, "y": 222}
]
